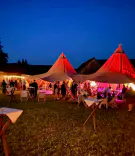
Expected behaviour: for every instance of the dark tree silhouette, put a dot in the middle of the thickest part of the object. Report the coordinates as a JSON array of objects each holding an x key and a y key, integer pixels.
[
  {"x": 26, "y": 63},
  {"x": 3, "y": 56},
  {"x": 18, "y": 62},
  {"x": 23, "y": 61}
]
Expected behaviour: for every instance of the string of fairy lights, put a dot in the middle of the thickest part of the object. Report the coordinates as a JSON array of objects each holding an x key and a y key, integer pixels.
[{"x": 14, "y": 76}]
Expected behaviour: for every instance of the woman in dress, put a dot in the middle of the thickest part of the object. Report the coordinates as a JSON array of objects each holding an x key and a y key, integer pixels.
[{"x": 130, "y": 98}]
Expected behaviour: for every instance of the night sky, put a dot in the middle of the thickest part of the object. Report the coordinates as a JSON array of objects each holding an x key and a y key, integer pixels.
[{"x": 40, "y": 30}]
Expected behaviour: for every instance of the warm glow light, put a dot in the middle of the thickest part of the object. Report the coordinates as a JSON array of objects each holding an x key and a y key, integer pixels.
[
  {"x": 14, "y": 76},
  {"x": 132, "y": 85},
  {"x": 93, "y": 83},
  {"x": 70, "y": 82},
  {"x": 81, "y": 86}
]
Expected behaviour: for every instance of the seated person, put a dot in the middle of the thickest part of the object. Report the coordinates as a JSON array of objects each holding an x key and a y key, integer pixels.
[{"x": 99, "y": 95}]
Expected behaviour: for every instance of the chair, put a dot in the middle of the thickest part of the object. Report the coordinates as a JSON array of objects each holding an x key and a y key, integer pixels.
[
  {"x": 41, "y": 97},
  {"x": 112, "y": 103},
  {"x": 80, "y": 99},
  {"x": 8, "y": 91},
  {"x": 11, "y": 93},
  {"x": 31, "y": 93},
  {"x": 24, "y": 95}
]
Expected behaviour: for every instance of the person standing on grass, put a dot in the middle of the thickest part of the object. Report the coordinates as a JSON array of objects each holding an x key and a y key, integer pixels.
[
  {"x": 73, "y": 89},
  {"x": 55, "y": 91},
  {"x": 4, "y": 87},
  {"x": 12, "y": 84},
  {"x": 35, "y": 85},
  {"x": 124, "y": 90},
  {"x": 63, "y": 90},
  {"x": 130, "y": 98},
  {"x": 50, "y": 86},
  {"x": 24, "y": 87}
]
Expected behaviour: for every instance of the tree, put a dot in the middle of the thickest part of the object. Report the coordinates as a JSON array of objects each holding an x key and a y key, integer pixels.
[
  {"x": 3, "y": 56},
  {"x": 23, "y": 61},
  {"x": 18, "y": 62}
]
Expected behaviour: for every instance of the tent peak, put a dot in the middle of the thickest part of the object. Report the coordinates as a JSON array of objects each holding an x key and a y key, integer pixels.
[
  {"x": 93, "y": 58},
  {"x": 62, "y": 55},
  {"x": 120, "y": 44},
  {"x": 119, "y": 49}
]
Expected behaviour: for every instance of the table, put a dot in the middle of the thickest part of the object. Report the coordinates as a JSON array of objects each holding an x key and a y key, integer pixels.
[
  {"x": 41, "y": 91},
  {"x": 47, "y": 92},
  {"x": 31, "y": 92},
  {"x": 12, "y": 115},
  {"x": 95, "y": 103}
]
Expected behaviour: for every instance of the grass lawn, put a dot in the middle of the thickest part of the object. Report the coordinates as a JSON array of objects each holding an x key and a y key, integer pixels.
[{"x": 55, "y": 128}]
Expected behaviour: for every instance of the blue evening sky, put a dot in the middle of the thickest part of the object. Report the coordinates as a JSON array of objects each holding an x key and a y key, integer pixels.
[{"x": 40, "y": 30}]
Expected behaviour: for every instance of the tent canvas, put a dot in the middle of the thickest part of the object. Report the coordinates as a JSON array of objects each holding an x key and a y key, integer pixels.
[
  {"x": 56, "y": 77},
  {"x": 117, "y": 69},
  {"x": 89, "y": 67},
  {"x": 118, "y": 62},
  {"x": 61, "y": 70}
]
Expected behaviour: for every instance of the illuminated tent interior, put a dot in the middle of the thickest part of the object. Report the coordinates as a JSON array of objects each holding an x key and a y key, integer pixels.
[
  {"x": 13, "y": 76},
  {"x": 4, "y": 75},
  {"x": 117, "y": 69},
  {"x": 61, "y": 70}
]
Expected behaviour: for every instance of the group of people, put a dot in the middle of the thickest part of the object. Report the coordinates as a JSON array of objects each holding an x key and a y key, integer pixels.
[
  {"x": 109, "y": 93},
  {"x": 59, "y": 89},
  {"x": 33, "y": 87},
  {"x": 12, "y": 83},
  {"x": 127, "y": 95},
  {"x": 5, "y": 85},
  {"x": 17, "y": 83},
  {"x": 74, "y": 89}
]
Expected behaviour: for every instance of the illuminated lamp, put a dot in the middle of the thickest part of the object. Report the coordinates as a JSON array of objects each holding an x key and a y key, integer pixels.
[
  {"x": 93, "y": 84},
  {"x": 70, "y": 82},
  {"x": 132, "y": 85}
]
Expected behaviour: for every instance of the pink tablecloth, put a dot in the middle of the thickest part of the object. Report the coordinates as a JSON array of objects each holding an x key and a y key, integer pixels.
[{"x": 48, "y": 92}]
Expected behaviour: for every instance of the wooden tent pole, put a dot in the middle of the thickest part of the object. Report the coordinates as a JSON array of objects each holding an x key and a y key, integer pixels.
[{"x": 3, "y": 137}]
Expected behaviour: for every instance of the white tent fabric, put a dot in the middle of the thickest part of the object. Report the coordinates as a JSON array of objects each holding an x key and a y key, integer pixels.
[
  {"x": 61, "y": 70},
  {"x": 106, "y": 77},
  {"x": 56, "y": 77}
]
